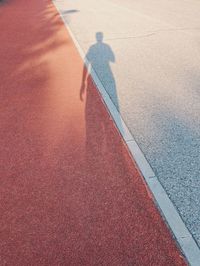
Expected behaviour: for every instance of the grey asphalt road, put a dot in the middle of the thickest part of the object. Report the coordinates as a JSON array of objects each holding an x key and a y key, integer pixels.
[{"x": 149, "y": 63}]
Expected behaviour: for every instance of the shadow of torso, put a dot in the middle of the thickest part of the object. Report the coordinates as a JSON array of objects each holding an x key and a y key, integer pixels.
[{"x": 99, "y": 56}]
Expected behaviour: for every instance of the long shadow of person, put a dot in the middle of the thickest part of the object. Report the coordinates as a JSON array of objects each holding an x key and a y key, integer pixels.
[
  {"x": 99, "y": 128},
  {"x": 110, "y": 197}
]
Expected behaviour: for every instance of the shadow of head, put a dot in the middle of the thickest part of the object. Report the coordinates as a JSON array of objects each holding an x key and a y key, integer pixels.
[{"x": 99, "y": 36}]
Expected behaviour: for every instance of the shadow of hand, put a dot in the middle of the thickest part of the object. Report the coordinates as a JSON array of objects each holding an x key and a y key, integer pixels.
[{"x": 82, "y": 91}]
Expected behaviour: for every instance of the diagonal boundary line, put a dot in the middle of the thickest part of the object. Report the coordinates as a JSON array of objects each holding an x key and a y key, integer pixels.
[{"x": 167, "y": 209}]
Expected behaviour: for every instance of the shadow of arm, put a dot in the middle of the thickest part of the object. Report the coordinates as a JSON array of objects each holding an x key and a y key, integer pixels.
[{"x": 83, "y": 83}]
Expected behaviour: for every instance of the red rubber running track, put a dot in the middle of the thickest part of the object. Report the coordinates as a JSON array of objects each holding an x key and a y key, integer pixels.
[{"x": 70, "y": 193}]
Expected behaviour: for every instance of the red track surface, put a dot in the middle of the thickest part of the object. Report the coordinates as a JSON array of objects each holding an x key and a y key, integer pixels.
[{"x": 69, "y": 193}]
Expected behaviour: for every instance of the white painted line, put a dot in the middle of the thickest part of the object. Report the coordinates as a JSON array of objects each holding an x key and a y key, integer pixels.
[
  {"x": 112, "y": 109},
  {"x": 176, "y": 224},
  {"x": 141, "y": 161},
  {"x": 184, "y": 238}
]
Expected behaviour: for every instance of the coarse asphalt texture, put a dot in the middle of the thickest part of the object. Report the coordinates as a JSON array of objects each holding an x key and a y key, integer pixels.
[{"x": 70, "y": 193}]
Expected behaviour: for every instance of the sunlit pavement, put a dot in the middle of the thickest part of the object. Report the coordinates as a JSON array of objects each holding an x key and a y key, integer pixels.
[{"x": 70, "y": 194}]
